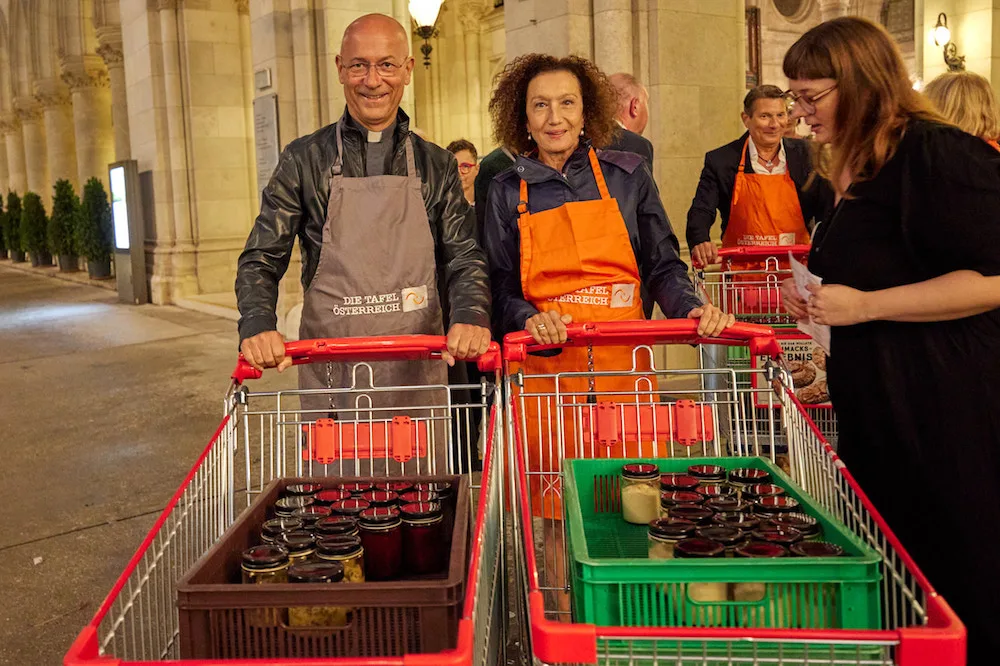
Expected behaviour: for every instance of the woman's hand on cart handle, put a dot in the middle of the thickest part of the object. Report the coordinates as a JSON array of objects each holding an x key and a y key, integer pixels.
[
  {"x": 711, "y": 320},
  {"x": 549, "y": 327},
  {"x": 704, "y": 254},
  {"x": 266, "y": 350},
  {"x": 793, "y": 303}
]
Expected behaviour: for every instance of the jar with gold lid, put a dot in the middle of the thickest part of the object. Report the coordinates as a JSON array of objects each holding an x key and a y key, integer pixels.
[
  {"x": 346, "y": 549},
  {"x": 315, "y": 573}
]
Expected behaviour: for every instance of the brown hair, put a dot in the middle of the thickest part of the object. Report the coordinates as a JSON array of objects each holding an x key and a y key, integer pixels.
[
  {"x": 876, "y": 98},
  {"x": 761, "y": 92},
  {"x": 508, "y": 105},
  {"x": 458, "y": 145},
  {"x": 966, "y": 99}
]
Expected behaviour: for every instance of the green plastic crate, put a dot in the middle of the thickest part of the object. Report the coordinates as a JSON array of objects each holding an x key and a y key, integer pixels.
[{"x": 615, "y": 584}]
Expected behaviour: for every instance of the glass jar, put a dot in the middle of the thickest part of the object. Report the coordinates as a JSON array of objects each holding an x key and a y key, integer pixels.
[
  {"x": 743, "y": 521},
  {"x": 708, "y": 473},
  {"x": 749, "y": 592},
  {"x": 286, "y": 506},
  {"x": 640, "y": 484},
  {"x": 300, "y": 545},
  {"x": 664, "y": 534},
  {"x": 381, "y": 498},
  {"x": 398, "y": 487},
  {"x": 418, "y": 497},
  {"x": 775, "y": 504},
  {"x": 349, "y": 507},
  {"x": 804, "y": 523},
  {"x": 382, "y": 537},
  {"x": 672, "y": 498},
  {"x": 713, "y": 490},
  {"x": 316, "y": 616},
  {"x": 348, "y": 551},
  {"x": 816, "y": 549},
  {"x": 671, "y": 482},
  {"x": 752, "y": 492},
  {"x": 727, "y": 505},
  {"x": 356, "y": 488},
  {"x": 728, "y": 537},
  {"x": 742, "y": 477},
  {"x": 707, "y": 592},
  {"x": 273, "y": 528},
  {"x": 335, "y": 526},
  {"x": 330, "y": 497},
  {"x": 696, "y": 514},
  {"x": 310, "y": 514},
  {"x": 266, "y": 564},
  {"x": 303, "y": 489},
  {"x": 425, "y": 545},
  {"x": 442, "y": 488},
  {"x": 771, "y": 533}
]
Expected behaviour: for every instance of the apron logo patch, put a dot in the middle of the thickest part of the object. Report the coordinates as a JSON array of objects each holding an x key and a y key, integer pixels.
[
  {"x": 598, "y": 295},
  {"x": 622, "y": 295},
  {"x": 374, "y": 304},
  {"x": 414, "y": 298},
  {"x": 786, "y": 239}
]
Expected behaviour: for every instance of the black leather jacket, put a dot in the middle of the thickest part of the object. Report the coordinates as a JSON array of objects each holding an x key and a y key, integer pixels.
[{"x": 294, "y": 204}]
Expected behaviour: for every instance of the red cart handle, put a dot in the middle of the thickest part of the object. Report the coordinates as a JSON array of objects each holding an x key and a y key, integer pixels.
[
  {"x": 756, "y": 252},
  {"x": 387, "y": 348},
  {"x": 760, "y": 339}
]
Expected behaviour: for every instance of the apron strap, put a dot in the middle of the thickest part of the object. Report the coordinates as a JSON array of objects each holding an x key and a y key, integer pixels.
[
  {"x": 602, "y": 186},
  {"x": 338, "y": 163},
  {"x": 746, "y": 155},
  {"x": 522, "y": 205},
  {"x": 411, "y": 165}
]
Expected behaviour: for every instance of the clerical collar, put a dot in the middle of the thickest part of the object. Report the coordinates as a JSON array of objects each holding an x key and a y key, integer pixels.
[{"x": 374, "y": 137}]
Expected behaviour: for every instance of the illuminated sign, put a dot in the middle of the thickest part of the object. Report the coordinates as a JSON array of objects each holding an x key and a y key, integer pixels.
[{"x": 119, "y": 207}]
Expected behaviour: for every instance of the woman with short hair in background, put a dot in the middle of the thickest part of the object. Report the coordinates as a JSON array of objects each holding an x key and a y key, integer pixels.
[{"x": 967, "y": 101}]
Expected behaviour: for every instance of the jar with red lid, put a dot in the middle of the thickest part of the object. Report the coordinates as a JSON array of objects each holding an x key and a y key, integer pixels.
[
  {"x": 803, "y": 522},
  {"x": 303, "y": 489},
  {"x": 816, "y": 549},
  {"x": 750, "y": 591},
  {"x": 708, "y": 473},
  {"x": 396, "y": 486},
  {"x": 729, "y": 537},
  {"x": 640, "y": 493},
  {"x": 425, "y": 544},
  {"x": 713, "y": 490},
  {"x": 335, "y": 525},
  {"x": 381, "y": 498},
  {"x": 693, "y": 512},
  {"x": 771, "y": 533},
  {"x": 310, "y": 514},
  {"x": 382, "y": 537},
  {"x": 752, "y": 492},
  {"x": 727, "y": 505},
  {"x": 286, "y": 506},
  {"x": 742, "y": 477},
  {"x": 671, "y": 482},
  {"x": 664, "y": 534},
  {"x": 775, "y": 504},
  {"x": 356, "y": 488},
  {"x": 672, "y": 498},
  {"x": 272, "y": 529},
  {"x": 442, "y": 488},
  {"x": 331, "y": 496},
  {"x": 349, "y": 507},
  {"x": 707, "y": 592},
  {"x": 744, "y": 521},
  {"x": 418, "y": 496}
]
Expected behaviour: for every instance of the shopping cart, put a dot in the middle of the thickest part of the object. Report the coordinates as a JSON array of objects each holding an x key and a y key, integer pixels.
[
  {"x": 261, "y": 438},
  {"x": 747, "y": 284},
  {"x": 918, "y": 628}
]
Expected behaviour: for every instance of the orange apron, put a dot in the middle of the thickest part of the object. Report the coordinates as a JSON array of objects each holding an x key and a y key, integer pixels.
[
  {"x": 765, "y": 210},
  {"x": 576, "y": 259}
]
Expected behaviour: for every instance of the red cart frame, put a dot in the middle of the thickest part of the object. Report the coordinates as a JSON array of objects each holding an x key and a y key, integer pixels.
[
  {"x": 137, "y": 624},
  {"x": 920, "y": 629}
]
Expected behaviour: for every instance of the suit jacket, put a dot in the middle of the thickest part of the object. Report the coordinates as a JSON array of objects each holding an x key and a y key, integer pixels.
[
  {"x": 718, "y": 177},
  {"x": 628, "y": 141}
]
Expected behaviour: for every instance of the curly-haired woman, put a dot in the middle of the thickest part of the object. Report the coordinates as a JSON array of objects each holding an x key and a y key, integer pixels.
[{"x": 574, "y": 233}]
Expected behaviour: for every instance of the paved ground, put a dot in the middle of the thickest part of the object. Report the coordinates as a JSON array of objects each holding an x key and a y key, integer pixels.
[{"x": 103, "y": 408}]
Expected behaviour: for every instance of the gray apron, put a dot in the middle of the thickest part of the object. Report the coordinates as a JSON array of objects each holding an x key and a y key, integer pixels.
[{"x": 376, "y": 276}]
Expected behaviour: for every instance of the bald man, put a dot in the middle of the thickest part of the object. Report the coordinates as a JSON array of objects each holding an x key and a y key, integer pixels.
[
  {"x": 632, "y": 117},
  {"x": 387, "y": 238}
]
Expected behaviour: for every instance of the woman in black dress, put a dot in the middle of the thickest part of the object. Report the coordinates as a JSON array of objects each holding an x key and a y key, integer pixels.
[{"x": 909, "y": 261}]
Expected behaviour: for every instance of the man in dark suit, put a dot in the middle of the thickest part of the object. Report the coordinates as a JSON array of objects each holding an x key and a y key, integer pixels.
[
  {"x": 633, "y": 115},
  {"x": 757, "y": 183}
]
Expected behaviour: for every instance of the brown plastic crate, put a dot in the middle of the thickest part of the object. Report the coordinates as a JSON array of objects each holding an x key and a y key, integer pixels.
[{"x": 220, "y": 619}]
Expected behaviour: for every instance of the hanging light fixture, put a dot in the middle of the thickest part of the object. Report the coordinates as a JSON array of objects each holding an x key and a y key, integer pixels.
[
  {"x": 942, "y": 38},
  {"x": 425, "y": 15}
]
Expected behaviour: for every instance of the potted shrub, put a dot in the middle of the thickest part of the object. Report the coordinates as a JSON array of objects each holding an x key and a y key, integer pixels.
[
  {"x": 94, "y": 230},
  {"x": 12, "y": 227},
  {"x": 62, "y": 226},
  {"x": 34, "y": 230}
]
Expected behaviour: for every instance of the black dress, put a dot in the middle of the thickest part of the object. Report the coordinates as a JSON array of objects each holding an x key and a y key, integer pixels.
[{"x": 918, "y": 404}]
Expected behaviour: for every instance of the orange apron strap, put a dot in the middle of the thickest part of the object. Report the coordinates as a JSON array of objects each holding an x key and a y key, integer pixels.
[
  {"x": 602, "y": 186},
  {"x": 746, "y": 156},
  {"x": 522, "y": 204}
]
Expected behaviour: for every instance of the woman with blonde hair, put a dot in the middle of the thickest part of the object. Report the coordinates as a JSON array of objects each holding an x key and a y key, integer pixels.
[
  {"x": 966, "y": 100},
  {"x": 909, "y": 261}
]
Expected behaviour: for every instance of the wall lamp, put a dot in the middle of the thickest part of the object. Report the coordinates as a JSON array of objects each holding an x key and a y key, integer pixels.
[
  {"x": 425, "y": 15},
  {"x": 942, "y": 37}
]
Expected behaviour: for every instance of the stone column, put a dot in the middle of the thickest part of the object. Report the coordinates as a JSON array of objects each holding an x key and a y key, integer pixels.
[
  {"x": 110, "y": 50},
  {"x": 60, "y": 140},
  {"x": 471, "y": 20},
  {"x": 10, "y": 124},
  {"x": 613, "y": 35},
  {"x": 95, "y": 142},
  {"x": 36, "y": 165},
  {"x": 831, "y": 9},
  {"x": 246, "y": 58},
  {"x": 4, "y": 170}
]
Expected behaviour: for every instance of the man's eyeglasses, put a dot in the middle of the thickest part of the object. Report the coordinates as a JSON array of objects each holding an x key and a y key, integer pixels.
[
  {"x": 386, "y": 69},
  {"x": 465, "y": 167},
  {"x": 807, "y": 103}
]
